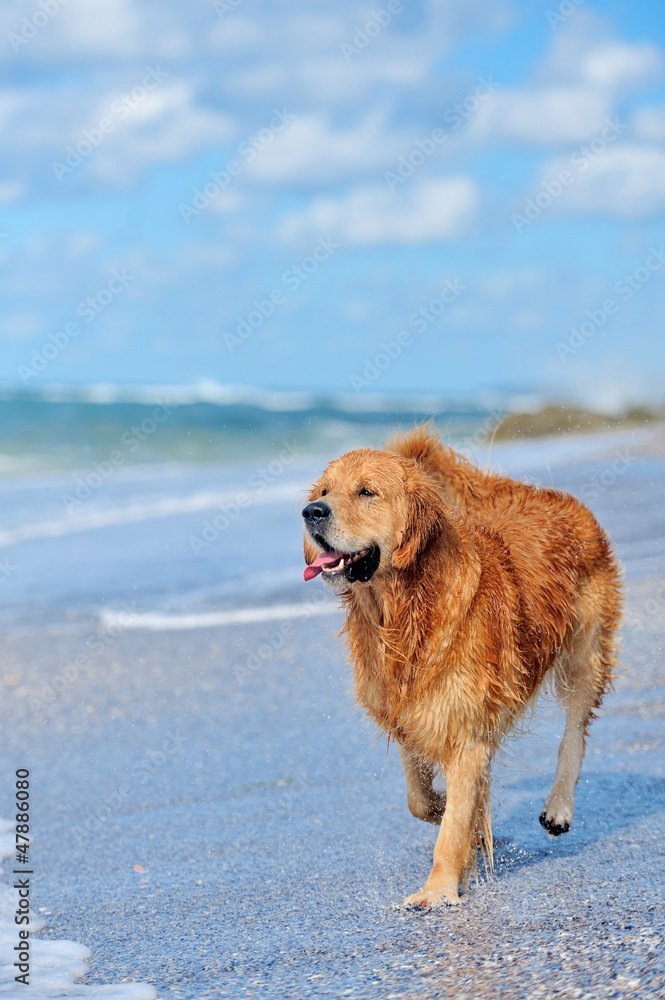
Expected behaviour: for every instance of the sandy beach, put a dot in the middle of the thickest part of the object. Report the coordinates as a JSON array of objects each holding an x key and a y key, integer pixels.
[{"x": 213, "y": 816}]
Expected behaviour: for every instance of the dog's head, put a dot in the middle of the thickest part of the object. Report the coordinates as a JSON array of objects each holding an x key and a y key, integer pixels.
[{"x": 370, "y": 513}]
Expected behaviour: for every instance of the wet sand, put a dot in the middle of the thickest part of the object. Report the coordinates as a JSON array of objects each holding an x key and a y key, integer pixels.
[{"x": 271, "y": 827}]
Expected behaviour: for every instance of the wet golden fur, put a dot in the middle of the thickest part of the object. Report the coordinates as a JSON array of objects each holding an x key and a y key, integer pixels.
[{"x": 484, "y": 586}]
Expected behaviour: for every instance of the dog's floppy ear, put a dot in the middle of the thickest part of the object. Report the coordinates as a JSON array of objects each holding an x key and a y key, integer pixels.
[{"x": 425, "y": 517}]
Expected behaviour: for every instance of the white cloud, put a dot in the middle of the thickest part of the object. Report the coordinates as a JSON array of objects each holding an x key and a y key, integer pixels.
[
  {"x": 329, "y": 80},
  {"x": 625, "y": 181},
  {"x": 75, "y": 28},
  {"x": 545, "y": 116},
  {"x": 294, "y": 31},
  {"x": 168, "y": 126},
  {"x": 575, "y": 90},
  {"x": 300, "y": 49},
  {"x": 12, "y": 103},
  {"x": 583, "y": 52},
  {"x": 310, "y": 150},
  {"x": 11, "y": 191},
  {"x": 435, "y": 209},
  {"x": 649, "y": 123},
  {"x": 617, "y": 65},
  {"x": 164, "y": 124},
  {"x": 20, "y": 326},
  {"x": 304, "y": 56},
  {"x": 228, "y": 203},
  {"x": 254, "y": 57},
  {"x": 578, "y": 85},
  {"x": 82, "y": 243},
  {"x": 100, "y": 26},
  {"x": 236, "y": 34}
]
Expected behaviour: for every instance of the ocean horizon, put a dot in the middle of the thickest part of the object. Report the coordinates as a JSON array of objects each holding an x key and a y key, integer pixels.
[{"x": 86, "y": 428}]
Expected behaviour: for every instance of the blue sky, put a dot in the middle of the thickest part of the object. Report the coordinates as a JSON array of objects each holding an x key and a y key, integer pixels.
[{"x": 531, "y": 140}]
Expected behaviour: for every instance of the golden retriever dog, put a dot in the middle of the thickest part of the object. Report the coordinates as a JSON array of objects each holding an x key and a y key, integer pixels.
[{"x": 463, "y": 591}]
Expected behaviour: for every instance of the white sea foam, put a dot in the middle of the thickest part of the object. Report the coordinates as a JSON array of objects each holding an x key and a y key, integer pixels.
[
  {"x": 129, "y": 513},
  {"x": 279, "y": 400},
  {"x": 158, "y": 622},
  {"x": 612, "y": 398},
  {"x": 55, "y": 966},
  {"x": 219, "y": 394}
]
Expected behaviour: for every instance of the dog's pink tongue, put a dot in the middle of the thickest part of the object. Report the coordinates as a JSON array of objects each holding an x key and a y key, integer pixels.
[{"x": 325, "y": 559}]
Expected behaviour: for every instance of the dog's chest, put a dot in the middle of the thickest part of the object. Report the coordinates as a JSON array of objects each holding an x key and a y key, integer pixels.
[{"x": 440, "y": 705}]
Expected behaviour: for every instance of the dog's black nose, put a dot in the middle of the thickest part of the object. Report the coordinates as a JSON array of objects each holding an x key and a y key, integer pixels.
[{"x": 316, "y": 511}]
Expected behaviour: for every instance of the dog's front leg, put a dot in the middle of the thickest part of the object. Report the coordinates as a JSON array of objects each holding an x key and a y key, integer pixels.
[
  {"x": 467, "y": 795},
  {"x": 423, "y": 800}
]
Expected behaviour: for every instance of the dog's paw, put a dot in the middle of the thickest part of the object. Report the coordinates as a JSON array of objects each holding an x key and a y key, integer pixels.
[
  {"x": 557, "y": 813},
  {"x": 430, "y": 809},
  {"x": 437, "y": 807},
  {"x": 430, "y": 899},
  {"x": 553, "y": 823}
]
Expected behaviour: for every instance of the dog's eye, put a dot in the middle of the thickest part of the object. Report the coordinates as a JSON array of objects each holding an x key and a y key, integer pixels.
[
  {"x": 365, "y": 493},
  {"x": 323, "y": 492}
]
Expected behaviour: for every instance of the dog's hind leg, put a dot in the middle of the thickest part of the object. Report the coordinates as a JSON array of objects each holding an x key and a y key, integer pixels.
[
  {"x": 581, "y": 677},
  {"x": 558, "y": 810},
  {"x": 423, "y": 800}
]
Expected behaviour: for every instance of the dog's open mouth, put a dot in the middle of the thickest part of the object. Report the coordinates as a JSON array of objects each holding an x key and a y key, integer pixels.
[{"x": 354, "y": 566}]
